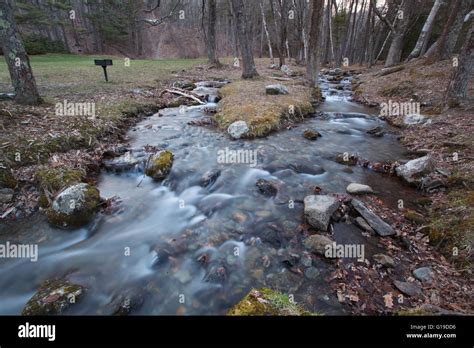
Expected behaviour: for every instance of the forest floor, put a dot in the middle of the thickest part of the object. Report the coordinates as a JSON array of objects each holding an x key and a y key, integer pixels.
[
  {"x": 34, "y": 139},
  {"x": 446, "y": 136}
]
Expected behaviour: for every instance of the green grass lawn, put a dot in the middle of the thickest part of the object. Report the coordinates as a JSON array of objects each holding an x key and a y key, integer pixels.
[{"x": 59, "y": 74}]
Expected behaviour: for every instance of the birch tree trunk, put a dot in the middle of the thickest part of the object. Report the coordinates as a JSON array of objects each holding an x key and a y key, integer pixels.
[
  {"x": 267, "y": 34},
  {"x": 425, "y": 32}
]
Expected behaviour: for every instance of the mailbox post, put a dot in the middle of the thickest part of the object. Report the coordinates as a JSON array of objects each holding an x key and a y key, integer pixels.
[{"x": 104, "y": 63}]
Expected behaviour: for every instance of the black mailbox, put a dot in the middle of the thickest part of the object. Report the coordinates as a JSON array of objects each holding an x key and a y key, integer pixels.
[{"x": 104, "y": 63}]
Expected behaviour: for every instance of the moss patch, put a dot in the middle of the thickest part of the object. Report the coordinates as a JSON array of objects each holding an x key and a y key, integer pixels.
[
  {"x": 452, "y": 227},
  {"x": 266, "y": 302},
  {"x": 7, "y": 180},
  {"x": 247, "y": 101}
]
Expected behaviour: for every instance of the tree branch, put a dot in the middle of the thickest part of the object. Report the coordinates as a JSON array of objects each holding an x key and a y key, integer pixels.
[
  {"x": 158, "y": 21},
  {"x": 382, "y": 18}
]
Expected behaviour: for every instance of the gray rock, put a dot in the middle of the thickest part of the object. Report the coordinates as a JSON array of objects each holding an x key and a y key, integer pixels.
[
  {"x": 318, "y": 210},
  {"x": 276, "y": 89},
  {"x": 379, "y": 226},
  {"x": 185, "y": 84},
  {"x": 6, "y": 195},
  {"x": 414, "y": 170},
  {"x": 384, "y": 260},
  {"x": 424, "y": 274},
  {"x": 237, "y": 129},
  {"x": 358, "y": 189},
  {"x": 409, "y": 289},
  {"x": 266, "y": 187},
  {"x": 317, "y": 243},
  {"x": 306, "y": 260},
  {"x": 311, "y": 273},
  {"x": 123, "y": 163},
  {"x": 212, "y": 84},
  {"x": 311, "y": 134},
  {"x": 75, "y": 206},
  {"x": 364, "y": 225},
  {"x": 414, "y": 119},
  {"x": 209, "y": 177}
]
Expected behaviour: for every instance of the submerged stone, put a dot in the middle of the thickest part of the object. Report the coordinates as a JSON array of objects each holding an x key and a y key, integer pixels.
[
  {"x": 53, "y": 297},
  {"x": 159, "y": 165}
]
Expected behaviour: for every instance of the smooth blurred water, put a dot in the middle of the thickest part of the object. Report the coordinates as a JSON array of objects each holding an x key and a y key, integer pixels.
[{"x": 168, "y": 226}]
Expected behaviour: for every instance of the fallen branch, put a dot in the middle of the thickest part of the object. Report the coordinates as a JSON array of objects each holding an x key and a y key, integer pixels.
[
  {"x": 183, "y": 93},
  {"x": 388, "y": 71}
]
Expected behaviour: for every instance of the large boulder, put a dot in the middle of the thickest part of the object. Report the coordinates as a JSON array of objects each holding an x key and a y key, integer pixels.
[
  {"x": 238, "y": 129},
  {"x": 379, "y": 226},
  {"x": 53, "y": 297},
  {"x": 318, "y": 210},
  {"x": 74, "y": 207},
  {"x": 317, "y": 243},
  {"x": 276, "y": 89},
  {"x": 414, "y": 170},
  {"x": 159, "y": 165}
]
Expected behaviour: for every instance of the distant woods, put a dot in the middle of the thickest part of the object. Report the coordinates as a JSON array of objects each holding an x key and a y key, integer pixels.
[
  {"x": 351, "y": 31},
  {"x": 309, "y": 32}
]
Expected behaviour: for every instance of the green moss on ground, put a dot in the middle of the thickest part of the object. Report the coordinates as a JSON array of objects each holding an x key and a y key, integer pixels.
[
  {"x": 266, "y": 302},
  {"x": 247, "y": 101},
  {"x": 7, "y": 180},
  {"x": 451, "y": 228}
]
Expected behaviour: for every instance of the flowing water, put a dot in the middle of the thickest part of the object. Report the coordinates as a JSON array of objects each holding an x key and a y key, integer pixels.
[{"x": 154, "y": 249}]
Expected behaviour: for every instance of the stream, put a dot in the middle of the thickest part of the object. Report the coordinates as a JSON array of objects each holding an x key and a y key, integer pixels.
[{"x": 155, "y": 249}]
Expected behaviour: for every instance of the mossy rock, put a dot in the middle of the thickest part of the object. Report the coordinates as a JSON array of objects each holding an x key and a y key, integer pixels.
[
  {"x": 7, "y": 180},
  {"x": 159, "y": 165},
  {"x": 53, "y": 180},
  {"x": 414, "y": 216},
  {"x": 53, "y": 298},
  {"x": 266, "y": 302},
  {"x": 74, "y": 207}
]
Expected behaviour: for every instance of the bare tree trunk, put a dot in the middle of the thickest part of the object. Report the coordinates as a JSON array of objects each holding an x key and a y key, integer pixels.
[
  {"x": 395, "y": 52},
  {"x": 434, "y": 54},
  {"x": 425, "y": 32},
  {"x": 459, "y": 80},
  {"x": 283, "y": 30},
  {"x": 211, "y": 34},
  {"x": 312, "y": 68},
  {"x": 16, "y": 58},
  {"x": 267, "y": 34},
  {"x": 248, "y": 63}
]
